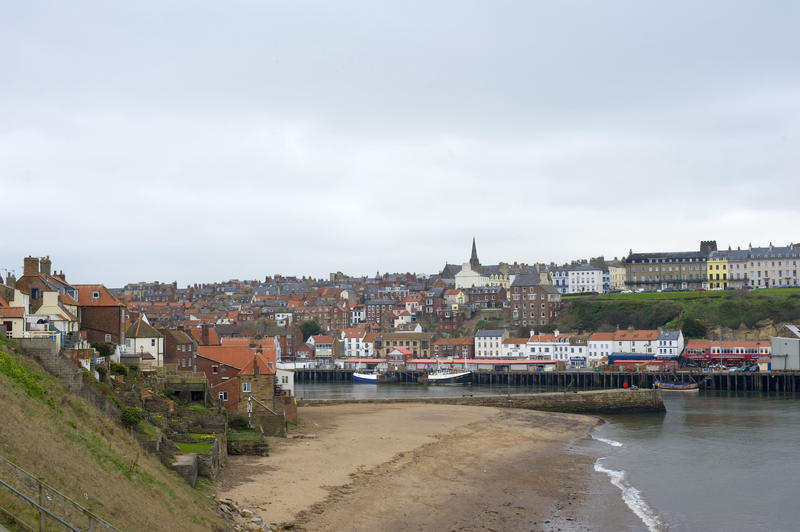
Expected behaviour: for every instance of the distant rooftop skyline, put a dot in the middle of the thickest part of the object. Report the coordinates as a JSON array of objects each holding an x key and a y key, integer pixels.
[{"x": 198, "y": 141}]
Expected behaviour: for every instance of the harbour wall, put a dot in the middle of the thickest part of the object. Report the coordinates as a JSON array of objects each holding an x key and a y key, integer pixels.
[{"x": 625, "y": 401}]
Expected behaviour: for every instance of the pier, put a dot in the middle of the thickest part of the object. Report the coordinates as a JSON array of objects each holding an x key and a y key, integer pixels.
[{"x": 761, "y": 381}]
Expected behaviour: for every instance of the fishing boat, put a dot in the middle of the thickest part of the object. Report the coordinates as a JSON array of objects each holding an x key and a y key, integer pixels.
[
  {"x": 370, "y": 377},
  {"x": 446, "y": 376},
  {"x": 679, "y": 386},
  {"x": 373, "y": 377}
]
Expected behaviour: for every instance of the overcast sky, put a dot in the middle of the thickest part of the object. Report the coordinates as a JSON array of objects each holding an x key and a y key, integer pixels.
[{"x": 191, "y": 141}]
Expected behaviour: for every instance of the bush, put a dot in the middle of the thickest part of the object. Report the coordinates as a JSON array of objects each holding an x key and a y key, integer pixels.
[
  {"x": 693, "y": 328},
  {"x": 104, "y": 349},
  {"x": 118, "y": 369},
  {"x": 131, "y": 416},
  {"x": 102, "y": 371}
]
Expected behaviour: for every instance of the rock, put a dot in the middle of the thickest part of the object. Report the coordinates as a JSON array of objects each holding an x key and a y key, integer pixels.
[
  {"x": 224, "y": 509},
  {"x": 257, "y": 520},
  {"x": 244, "y": 512}
]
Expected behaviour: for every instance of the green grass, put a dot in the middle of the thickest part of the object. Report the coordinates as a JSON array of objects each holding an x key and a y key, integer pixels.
[
  {"x": 30, "y": 381},
  {"x": 199, "y": 447},
  {"x": 649, "y": 310},
  {"x": 149, "y": 430},
  {"x": 200, "y": 409},
  {"x": 244, "y": 435}
]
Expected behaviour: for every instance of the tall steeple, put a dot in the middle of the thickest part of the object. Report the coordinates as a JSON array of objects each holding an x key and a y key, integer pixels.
[{"x": 473, "y": 260}]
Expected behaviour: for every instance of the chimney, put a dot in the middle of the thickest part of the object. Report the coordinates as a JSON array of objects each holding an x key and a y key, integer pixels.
[
  {"x": 256, "y": 369},
  {"x": 45, "y": 265},
  {"x": 31, "y": 266},
  {"x": 61, "y": 275},
  {"x": 204, "y": 335},
  {"x": 11, "y": 280}
]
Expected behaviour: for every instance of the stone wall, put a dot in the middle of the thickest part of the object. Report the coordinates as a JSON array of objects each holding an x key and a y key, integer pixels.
[
  {"x": 208, "y": 465},
  {"x": 591, "y": 402}
]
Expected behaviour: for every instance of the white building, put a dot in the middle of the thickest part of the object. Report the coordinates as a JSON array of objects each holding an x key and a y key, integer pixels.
[
  {"x": 322, "y": 345},
  {"x": 467, "y": 277},
  {"x": 354, "y": 343},
  {"x": 142, "y": 339},
  {"x": 555, "y": 346},
  {"x": 670, "y": 344},
  {"x": 585, "y": 278},
  {"x": 489, "y": 342},
  {"x": 636, "y": 341},
  {"x": 600, "y": 345},
  {"x": 514, "y": 348}
]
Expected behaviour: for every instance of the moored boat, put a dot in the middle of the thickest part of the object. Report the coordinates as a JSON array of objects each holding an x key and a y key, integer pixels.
[
  {"x": 369, "y": 377},
  {"x": 679, "y": 386},
  {"x": 445, "y": 376}
]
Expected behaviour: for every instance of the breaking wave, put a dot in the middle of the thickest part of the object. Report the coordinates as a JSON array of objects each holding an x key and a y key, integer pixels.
[
  {"x": 632, "y": 497},
  {"x": 606, "y": 440}
]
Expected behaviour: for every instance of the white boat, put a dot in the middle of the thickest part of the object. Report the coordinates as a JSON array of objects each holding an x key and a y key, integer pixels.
[
  {"x": 446, "y": 376},
  {"x": 365, "y": 376}
]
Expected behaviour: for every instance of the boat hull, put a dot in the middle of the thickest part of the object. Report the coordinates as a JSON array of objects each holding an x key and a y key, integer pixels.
[
  {"x": 365, "y": 378},
  {"x": 461, "y": 377},
  {"x": 679, "y": 387}
]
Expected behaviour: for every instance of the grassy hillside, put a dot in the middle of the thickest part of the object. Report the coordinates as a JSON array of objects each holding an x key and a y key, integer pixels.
[
  {"x": 651, "y": 309},
  {"x": 66, "y": 442}
]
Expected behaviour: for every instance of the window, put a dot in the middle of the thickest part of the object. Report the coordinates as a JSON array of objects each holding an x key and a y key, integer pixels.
[
  {"x": 223, "y": 396},
  {"x": 214, "y": 369},
  {"x": 34, "y": 293},
  {"x": 96, "y": 294},
  {"x": 153, "y": 342},
  {"x": 245, "y": 386},
  {"x": 108, "y": 338}
]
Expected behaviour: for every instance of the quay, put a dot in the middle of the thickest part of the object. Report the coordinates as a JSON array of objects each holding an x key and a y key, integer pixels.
[
  {"x": 589, "y": 402},
  {"x": 583, "y": 380}
]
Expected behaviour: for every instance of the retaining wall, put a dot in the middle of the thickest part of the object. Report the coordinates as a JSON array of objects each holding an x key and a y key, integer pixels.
[{"x": 592, "y": 402}]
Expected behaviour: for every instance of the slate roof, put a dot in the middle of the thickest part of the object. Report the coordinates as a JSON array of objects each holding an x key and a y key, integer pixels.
[
  {"x": 489, "y": 333},
  {"x": 141, "y": 329},
  {"x": 669, "y": 335},
  {"x": 527, "y": 279}
]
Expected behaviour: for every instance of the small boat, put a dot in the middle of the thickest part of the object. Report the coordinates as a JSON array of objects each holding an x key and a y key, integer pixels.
[
  {"x": 446, "y": 376},
  {"x": 373, "y": 377},
  {"x": 365, "y": 376},
  {"x": 679, "y": 386}
]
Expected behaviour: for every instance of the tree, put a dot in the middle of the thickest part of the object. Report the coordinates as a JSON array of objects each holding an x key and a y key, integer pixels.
[
  {"x": 309, "y": 328},
  {"x": 693, "y": 328}
]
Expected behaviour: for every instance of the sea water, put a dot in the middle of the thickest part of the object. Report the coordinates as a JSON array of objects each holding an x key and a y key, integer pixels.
[{"x": 714, "y": 461}]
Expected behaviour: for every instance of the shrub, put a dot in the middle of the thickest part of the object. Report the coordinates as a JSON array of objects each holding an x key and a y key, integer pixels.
[
  {"x": 118, "y": 369},
  {"x": 104, "y": 349},
  {"x": 131, "y": 416}
]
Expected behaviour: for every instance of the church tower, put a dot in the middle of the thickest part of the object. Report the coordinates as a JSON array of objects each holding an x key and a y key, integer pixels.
[{"x": 473, "y": 260}]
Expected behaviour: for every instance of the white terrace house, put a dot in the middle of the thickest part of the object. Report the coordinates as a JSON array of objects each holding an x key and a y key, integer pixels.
[
  {"x": 600, "y": 345},
  {"x": 489, "y": 342},
  {"x": 670, "y": 344},
  {"x": 585, "y": 278},
  {"x": 355, "y": 345}
]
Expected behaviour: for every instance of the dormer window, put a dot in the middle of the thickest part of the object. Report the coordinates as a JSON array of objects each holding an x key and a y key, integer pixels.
[{"x": 96, "y": 294}]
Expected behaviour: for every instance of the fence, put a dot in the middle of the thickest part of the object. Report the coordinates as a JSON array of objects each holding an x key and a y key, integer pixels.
[{"x": 35, "y": 506}]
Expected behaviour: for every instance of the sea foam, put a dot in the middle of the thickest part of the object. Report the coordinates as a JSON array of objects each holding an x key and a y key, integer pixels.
[
  {"x": 632, "y": 497},
  {"x": 606, "y": 440}
]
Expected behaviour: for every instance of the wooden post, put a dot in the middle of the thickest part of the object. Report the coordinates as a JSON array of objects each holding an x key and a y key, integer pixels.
[{"x": 41, "y": 503}]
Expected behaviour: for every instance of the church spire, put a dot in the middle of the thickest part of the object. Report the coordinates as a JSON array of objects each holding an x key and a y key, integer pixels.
[{"x": 473, "y": 260}]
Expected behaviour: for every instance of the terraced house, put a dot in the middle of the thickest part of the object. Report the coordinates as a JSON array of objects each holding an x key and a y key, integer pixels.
[{"x": 679, "y": 270}]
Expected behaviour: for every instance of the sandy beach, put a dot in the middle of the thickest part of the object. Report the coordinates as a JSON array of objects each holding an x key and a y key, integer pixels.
[{"x": 429, "y": 467}]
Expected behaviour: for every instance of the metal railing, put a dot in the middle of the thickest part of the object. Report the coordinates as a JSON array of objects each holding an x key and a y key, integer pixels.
[{"x": 43, "y": 504}]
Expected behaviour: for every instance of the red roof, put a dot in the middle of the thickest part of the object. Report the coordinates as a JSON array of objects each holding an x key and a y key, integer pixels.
[
  {"x": 354, "y": 333},
  {"x": 602, "y": 337},
  {"x": 515, "y": 341},
  {"x": 364, "y": 360},
  {"x": 235, "y": 356},
  {"x": 266, "y": 366},
  {"x": 105, "y": 299},
  {"x": 229, "y": 340},
  {"x": 3, "y": 302},
  {"x": 635, "y": 335},
  {"x": 12, "y": 312},
  {"x": 323, "y": 340}
]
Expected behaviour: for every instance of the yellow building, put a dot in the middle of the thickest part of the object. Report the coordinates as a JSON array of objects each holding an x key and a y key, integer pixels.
[{"x": 717, "y": 270}]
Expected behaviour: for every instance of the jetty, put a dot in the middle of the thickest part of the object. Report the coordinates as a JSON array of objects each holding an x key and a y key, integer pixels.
[{"x": 585, "y": 380}]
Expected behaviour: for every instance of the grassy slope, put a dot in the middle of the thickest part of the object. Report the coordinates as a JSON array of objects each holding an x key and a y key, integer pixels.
[
  {"x": 651, "y": 309},
  {"x": 67, "y": 443}
]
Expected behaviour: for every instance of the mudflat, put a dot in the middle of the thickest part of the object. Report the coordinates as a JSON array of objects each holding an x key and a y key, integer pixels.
[{"x": 425, "y": 467}]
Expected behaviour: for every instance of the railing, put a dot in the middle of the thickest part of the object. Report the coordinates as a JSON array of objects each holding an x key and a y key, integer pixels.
[{"x": 42, "y": 504}]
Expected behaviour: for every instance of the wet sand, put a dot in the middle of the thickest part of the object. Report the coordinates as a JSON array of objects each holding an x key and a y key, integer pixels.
[{"x": 429, "y": 467}]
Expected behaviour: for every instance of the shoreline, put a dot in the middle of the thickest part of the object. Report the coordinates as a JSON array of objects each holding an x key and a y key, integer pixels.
[{"x": 418, "y": 466}]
